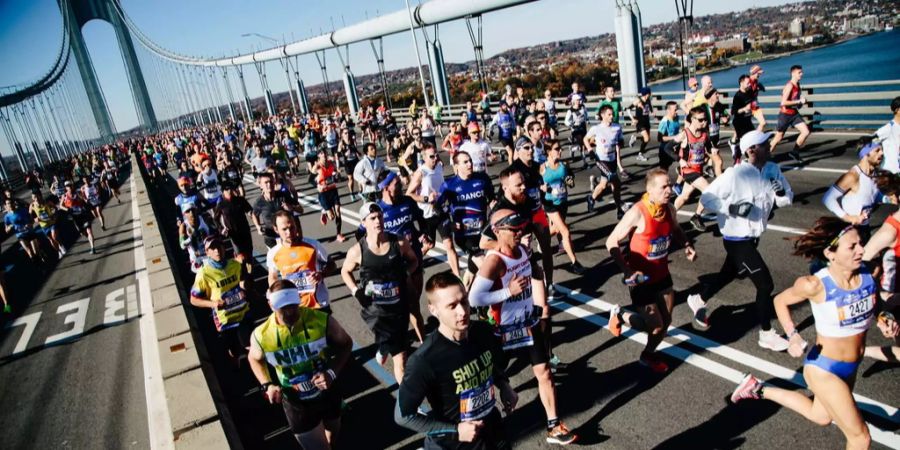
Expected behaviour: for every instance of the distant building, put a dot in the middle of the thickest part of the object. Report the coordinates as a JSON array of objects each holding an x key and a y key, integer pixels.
[
  {"x": 796, "y": 27},
  {"x": 863, "y": 24},
  {"x": 738, "y": 44}
]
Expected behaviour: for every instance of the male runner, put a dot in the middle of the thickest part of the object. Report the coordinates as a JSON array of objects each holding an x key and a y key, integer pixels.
[
  {"x": 789, "y": 114},
  {"x": 268, "y": 203},
  {"x": 692, "y": 158},
  {"x": 425, "y": 187},
  {"x": 754, "y": 87},
  {"x": 650, "y": 226},
  {"x": 504, "y": 283},
  {"x": 456, "y": 370},
  {"x": 304, "y": 262},
  {"x": 855, "y": 193},
  {"x": 889, "y": 136},
  {"x": 477, "y": 148},
  {"x": 741, "y": 116},
  {"x": 606, "y": 139},
  {"x": 220, "y": 286}
]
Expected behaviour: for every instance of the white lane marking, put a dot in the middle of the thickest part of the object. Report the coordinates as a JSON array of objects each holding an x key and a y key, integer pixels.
[
  {"x": 131, "y": 301},
  {"x": 114, "y": 309},
  {"x": 77, "y": 319},
  {"x": 158, "y": 421},
  {"x": 781, "y": 228},
  {"x": 881, "y": 409},
  {"x": 816, "y": 169},
  {"x": 30, "y": 322}
]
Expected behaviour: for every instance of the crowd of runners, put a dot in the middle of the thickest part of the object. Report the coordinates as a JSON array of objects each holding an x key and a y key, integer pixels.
[{"x": 492, "y": 302}]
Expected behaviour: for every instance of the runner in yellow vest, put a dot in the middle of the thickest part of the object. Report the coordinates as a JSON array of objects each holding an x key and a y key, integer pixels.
[
  {"x": 308, "y": 349},
  {"x": 219, "y": 286}
]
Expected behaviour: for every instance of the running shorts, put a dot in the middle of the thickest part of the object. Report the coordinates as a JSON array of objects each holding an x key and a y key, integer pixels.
[
  {"x": 607, "y": 169},
  {"x": 786, "y": 121},
  {"x": 390, "y": 329},
  {"x": 537, "y": 353},
  {"x": 303, "y": 416},
  {"x": 329, "y": 199},
  {"x": 643, "y": 123},
  {"x": 649, "y": 293},
  {"x": 691, "y": 177},
  {"x": 436, "y": 225}
]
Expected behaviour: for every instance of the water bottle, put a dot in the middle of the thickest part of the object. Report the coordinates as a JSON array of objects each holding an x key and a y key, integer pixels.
[{"x": 642, "y": 278}]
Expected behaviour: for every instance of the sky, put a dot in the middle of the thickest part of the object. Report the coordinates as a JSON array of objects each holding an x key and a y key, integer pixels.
[{"x": 30, "y": 34}]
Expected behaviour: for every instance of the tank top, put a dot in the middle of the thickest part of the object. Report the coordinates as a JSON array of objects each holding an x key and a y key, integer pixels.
[
  {"x": 696, "y": 152},
  {"x": 383, "y": 276},
  {"x": 325, "y": 179},
  {"x": 222, "y": 284},
  {"x": 650, "y": 248},
  {"x": 92, "y": 194},
  {"x": 896, "y": 224},
  {"x": 555, "y": 179},
  {"x": 514, "y": 317},
  {"x": 431, "y": 182},
  {"x": 297, "y": 352},
  {"x": 863, "y": 198},
  {"x": 793, "y": 96},
  {"x": 845, "y": 313},
  {"x": 210, "y": 183},
  {"x": 296, "y": 263},
  {"x": 46, "y": 214}
]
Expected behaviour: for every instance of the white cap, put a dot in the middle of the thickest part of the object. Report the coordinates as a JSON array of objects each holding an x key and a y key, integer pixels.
[
  {"x": 752, "y": 138},
  {"x": 284, "y": 297},
  {"x": 368, "y": 208}
]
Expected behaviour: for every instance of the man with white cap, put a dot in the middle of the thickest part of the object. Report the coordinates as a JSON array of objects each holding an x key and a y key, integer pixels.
[
  {"x": 743, "y": 198},
  {"x": 386, "y": 265},
  {"x": 308, "y": 349}
]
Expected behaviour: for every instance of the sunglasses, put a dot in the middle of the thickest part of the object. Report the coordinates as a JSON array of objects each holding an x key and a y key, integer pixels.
[{"x": 431, "y": 156}]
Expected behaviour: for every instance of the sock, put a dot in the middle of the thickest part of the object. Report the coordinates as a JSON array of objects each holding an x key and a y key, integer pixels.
[{"x": 552, "y": 423}]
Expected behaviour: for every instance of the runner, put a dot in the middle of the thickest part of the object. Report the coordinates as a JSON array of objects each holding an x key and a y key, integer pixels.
[
  {"x": 409, "y": 159},
  {"x": 576, "y": 120},
  {"x": 90, "y": 189},
  {"x": 853, "y": 196},
  {"x": 308, "y": 350},
  {"x": 689, "y": 95},
  {"x": 692, "y": 158},
  {"x": 268, "y": 203},
  {"x": 455, "y": 370},
  {"x": 109, "y": 180},
  {"x": 425, "y": 187},
  {"x": 220, "y": 286},
  {"x": 643, "y": 113},
  {"x": 743, "y": 198},
  {"x": 45, "y": 215},
  {"x": 76, "y": 206},
  {"x": 386, "y": 264},
  {"x": 478, "y": 149},
  {"x": 669, "y": 137},
  {"x": 606, "y": 138},
  {"x": 192, "y": 234},
  {"x": 843, "y": 300},
  {"x": 230, "y": 217},
  {"x": 366, "y": 172},
  {"x": 717, "y": 113},
  {"x": 468, "y": 196},
  {"x": 550, "y": 108},
  {"x": 889, "y": 136},
  {"x": 650, "y": 226},
  {"x": 208, "y": 182},
  {"x": 789, "y": 114},
  {"x": 534, "y": 182},
  {"x": 302, "y": 261},
  {"x": 17, "y": 220},
  {"x": 347, "y": 150},
  {"x": 609, "y": 98},
  {"x": 506, "y": 126},
  {"x": 329, "y": 198},
  {"x": 557, "y": 181},
  {"x": 741, "y": 115},
  {"x": 504, "y": 283},
  {"x": 754, "y": 88}
]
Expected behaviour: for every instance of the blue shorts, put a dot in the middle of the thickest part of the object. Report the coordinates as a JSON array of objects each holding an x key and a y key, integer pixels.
[
  {"x": 844, "y": 370},
  {"x": 48, "y": 229}
]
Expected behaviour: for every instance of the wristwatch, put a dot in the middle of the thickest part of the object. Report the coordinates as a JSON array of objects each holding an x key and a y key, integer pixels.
[{"x": 265, "y": 386}]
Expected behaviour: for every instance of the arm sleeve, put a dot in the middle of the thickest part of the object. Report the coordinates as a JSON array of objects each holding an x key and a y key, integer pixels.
[
  {"x": 832, "y": 200},
  {"x": 481, "y": 294}
]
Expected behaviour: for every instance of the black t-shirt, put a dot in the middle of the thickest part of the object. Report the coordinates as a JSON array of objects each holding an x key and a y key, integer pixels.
[
  {"x": 265, "y": 210},
  {"x": 234, "y": 214},
  {"x": 740, "y": 100},
  {"x": 459, "y": 380}
]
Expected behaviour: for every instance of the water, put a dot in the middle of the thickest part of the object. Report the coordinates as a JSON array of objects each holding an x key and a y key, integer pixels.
[{"x": 868, "y": 58}]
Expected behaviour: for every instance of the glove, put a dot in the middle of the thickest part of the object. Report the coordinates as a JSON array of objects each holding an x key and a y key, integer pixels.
[
  {"x": 779, "y": 189},
  {"x": 364, "y": 300},
  {"x": 740, "y": 209}
]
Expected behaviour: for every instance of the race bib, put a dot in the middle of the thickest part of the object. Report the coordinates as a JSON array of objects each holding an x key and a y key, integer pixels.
[
  {"x": 234, "y": 299},
  {"x": 852, "y": 310},
  {"x": 304, "y": 386},
  {"x": 43, "y": 216},
  {"x": 302, "y": 281},
  {"x": 516, "y": 336},
  {"x": 77, "y": 209},
  {"x": 384, "y": 293},
  {"x": 477, "y": 402},
  {"x": 659, "y": 248},
  {"x": 472, "y": 225},
  {"x": 697, "y": 155},
  {"x": 558, "y": 191}
]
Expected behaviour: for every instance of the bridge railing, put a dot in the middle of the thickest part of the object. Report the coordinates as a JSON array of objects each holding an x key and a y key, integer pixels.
[{"x": 861, "y": 105}]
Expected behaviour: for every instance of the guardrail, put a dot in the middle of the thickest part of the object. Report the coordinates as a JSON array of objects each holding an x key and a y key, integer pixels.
[{"x": 859, "y": 105}]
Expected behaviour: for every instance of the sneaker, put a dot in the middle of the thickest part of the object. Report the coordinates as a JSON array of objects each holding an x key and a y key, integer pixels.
[
  {"x": 103, "y": 227},
  {"x": 698, "y": 307},
  {"x": 590, "y": 203},
  {"x": 653, "y": 362},
  {"x": 709, "y": 172},
  {"x": 93, "y": 252},
  {"x": 631, "y": 140},
  {"x": 323, "y": 219},
  {"x": 677, "y": 189},
  {"x": 748, "y": 388},
  {"x": 560, "y": 435},
  {"x": 615, "y": 322},
  {"x": 697, "y": 223},
  {"x": 640, "y": 157},
  {"x": 7, "y": 309},
  {"x": 381, "y": 359},
  {"x": 63, "y": 250},
  {"x": 576, "y": 268},
  {"x": 772, "y": 341},
  {"x": 339, "y": 238},
  {"x": 795, "y": 155},
  {"x": 556, "y": 364},
  {"x": 60, "y": 254}
]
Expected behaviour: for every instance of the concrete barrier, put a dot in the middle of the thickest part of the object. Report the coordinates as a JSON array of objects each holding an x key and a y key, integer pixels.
[{"x": 195, "y": 420}]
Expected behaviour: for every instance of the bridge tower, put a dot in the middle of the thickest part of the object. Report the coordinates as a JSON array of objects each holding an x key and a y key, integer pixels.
[{"x": 83, "y": 11}]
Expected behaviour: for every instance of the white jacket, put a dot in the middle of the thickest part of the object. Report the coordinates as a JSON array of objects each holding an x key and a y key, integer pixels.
[
  {"x": 745, "y": 183},
  {"x": 366, "y": 173}
]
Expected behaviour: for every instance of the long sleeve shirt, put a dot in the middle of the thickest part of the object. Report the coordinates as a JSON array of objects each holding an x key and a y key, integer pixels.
[
  {"x": 745, "y": 183},
  {"x": 366, "y": 173}
]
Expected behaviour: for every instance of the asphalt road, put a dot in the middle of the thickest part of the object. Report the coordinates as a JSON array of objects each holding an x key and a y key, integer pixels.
[{"x": 70, "y": 358}]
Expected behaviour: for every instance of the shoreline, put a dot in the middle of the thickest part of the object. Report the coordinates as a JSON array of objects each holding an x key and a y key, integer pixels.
[{"x": 763, "y": 59}]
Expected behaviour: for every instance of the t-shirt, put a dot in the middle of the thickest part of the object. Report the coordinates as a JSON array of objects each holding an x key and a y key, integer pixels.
[
  {"x": 265, "y": 211},
  {"x": 223, "y": 284},
  {"x": 234, "y": 214},
  {"x": 669, "y": 127},
  {"x": 294, "y": 263},
  {"x": 607, "y": 137},
  {"x": 739, "y": 101},
  {"x": 478, "y": 151},
  {"x": 616, "y": 106},
  {"x": 469, "y": 200},
  {"x": 889, "y": 135},
  {"x": 457, "y": 379},
  {"x": 20, "y": 220}
]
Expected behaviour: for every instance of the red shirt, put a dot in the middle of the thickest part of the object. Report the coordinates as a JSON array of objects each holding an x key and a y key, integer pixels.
[{"x": 650, "y": 248}]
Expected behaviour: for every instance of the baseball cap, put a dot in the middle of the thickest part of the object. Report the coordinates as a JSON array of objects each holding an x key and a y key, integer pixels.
[
  {"x": 185, "y": 207},
  {"x": 755, "y": 70},
  {"x": 473, "y": 126},
  {"x": 184, "y": 181},
  {"x": 523, "y": 141},
  {"x": 284, "y": 297},
  {"x": 866, "y": 149},
  {"x": 692, "y": 81},
  {"x": 369, "y": 208},
  {"x": 68, "y": 183},
  {"x": 752, "y": 138},
  {"x": 646, "y": 91}
]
